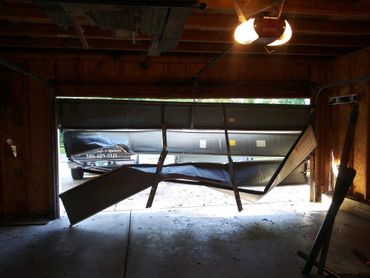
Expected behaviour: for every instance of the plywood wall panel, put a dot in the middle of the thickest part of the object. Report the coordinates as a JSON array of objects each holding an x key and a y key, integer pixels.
[
  {"x": 155, "y": 69},
  {"x": 322, "y": 151},
  {"x": 360, "y": 142},
  {"x": 219, "y": 72},
  {"x": 359, "y": 65},
  {"x": 89, "y": 69},
  {"x": 133, "y": 71},
  {"x": 177, "y": 70},
  {"x": 14, "y": 169},
  {"x": 110, "y": 70},
  {"x": 66, "y": 69},
  {"x": 367, "y": 180},
  {"x": 273, "y": 69},
  {"x": 40, "y": 117},
  {"x": 27, "y": 182},
  {"x": 345, "y": 68}
]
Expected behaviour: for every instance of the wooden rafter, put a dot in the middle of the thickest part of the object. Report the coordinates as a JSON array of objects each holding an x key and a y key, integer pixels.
[
  {"x": 53, "y": 31},
  {"x": 320, "y": 28}
]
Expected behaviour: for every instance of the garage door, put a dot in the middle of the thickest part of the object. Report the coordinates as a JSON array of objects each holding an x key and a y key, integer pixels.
[{"x": 113, "y": 114}]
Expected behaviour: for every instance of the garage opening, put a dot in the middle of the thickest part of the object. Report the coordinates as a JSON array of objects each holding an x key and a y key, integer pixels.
[{"x": 99, "y": 135}]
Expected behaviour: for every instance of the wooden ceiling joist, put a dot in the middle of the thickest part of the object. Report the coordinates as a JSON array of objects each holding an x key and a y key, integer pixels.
[
  {"x": 320, "y": 28},
  {"x": 358, "y": 8},
  {"x": 53, "y": 31},
  {"x": 317, "y": 26},
  {"x": 124, "y": 45}
]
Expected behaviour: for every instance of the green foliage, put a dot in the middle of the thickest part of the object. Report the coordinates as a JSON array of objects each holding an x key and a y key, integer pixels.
[
  {"x": 293, "y": 101},
  {"x": 296, "y": 101},
  {"x": 61, "y": 143}
]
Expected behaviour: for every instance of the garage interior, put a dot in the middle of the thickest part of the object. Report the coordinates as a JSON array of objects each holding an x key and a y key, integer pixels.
[{"x": 184, "y": 49}]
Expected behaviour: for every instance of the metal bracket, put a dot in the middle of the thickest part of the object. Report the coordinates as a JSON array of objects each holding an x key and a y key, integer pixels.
[{"x": 348, "y": 99}]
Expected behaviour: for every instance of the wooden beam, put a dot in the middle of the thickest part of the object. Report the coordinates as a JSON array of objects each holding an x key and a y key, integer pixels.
[
  {"x": 330, "y": 41},
  {"x": 22, "y": 12},
  {"x": 328, "y": 8},
  {"x": 195, "y": 27},
  {"x": 263, "y": 88},
  {"x": 228, "y": 22},
  {"x": 141, "y": 46},
  {"x": 358, "y": 8},
  {"x": 53, "y": 31},
  {"x": 309, "y": 7},
  {"x": 330, "y": 27},
  {"x": 206, "y": 21}
]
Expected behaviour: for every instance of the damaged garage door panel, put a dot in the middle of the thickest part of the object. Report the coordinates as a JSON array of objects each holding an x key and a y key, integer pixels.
[
  {"x": 104, "y": 191},
  {"x": 111, "y": 114},
  {"x": 182, "y": 141},
  {"x": 100, "y": 193}
]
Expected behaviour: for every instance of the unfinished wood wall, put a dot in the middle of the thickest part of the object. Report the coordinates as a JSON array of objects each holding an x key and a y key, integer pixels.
[
  {"x": 26, "y": 183},
  {"x": 28, "y": 117},
  {"x": 332, "y": 122},
  {"x": 101, "y": 75}
]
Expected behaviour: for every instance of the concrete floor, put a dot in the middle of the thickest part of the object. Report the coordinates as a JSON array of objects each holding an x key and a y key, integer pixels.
[
  {"x": 210, "y": 241},
  {"x": 191, "y": 231}
]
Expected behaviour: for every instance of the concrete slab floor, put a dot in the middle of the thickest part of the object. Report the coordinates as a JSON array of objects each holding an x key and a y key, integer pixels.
[{"x": 211, "y": 241}]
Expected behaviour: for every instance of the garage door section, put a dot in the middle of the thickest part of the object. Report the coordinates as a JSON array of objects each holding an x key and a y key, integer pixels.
[
  {"x": 182, "y": 142},
  {"x": 225, "y": 121},
  {"x": 109, "y": 114}
]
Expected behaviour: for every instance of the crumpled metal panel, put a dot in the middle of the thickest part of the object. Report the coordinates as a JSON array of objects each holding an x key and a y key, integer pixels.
[
  {"x": 182, "y": 141},
  {"x": 97, "y": 194}
]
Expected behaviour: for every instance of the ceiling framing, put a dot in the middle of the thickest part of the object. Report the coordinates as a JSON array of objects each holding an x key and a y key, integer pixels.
[{"x": 322, "y": 29}]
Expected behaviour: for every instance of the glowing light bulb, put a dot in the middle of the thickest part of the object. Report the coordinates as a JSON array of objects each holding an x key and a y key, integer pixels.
[
  {"x": 285, "y": 37},
  {"x": 245, "y": 33}
]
